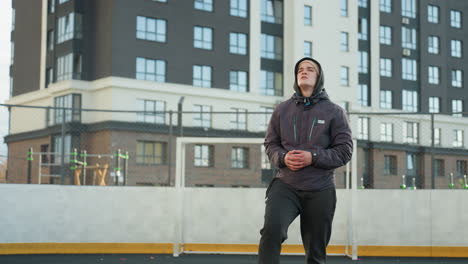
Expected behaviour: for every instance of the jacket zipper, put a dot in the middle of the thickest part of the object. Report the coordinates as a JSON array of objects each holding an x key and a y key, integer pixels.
[
  {"x": 295, "y": 139},
  {"x": 312, "y": 128}
]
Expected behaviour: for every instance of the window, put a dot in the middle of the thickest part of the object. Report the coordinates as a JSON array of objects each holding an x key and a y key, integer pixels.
[
  {"x": 362, "y": 3},
  {"x": 386, "y": 132},
  {"x": 266, "y": 165},
  {"x": 49, "y": 76},
  {"x": 11, "y": 86},
  {"x": 13, "y": 13},
  {"x": 202, "y": 76},
  {"x": 344, "y": 76},
  {"x": 151, "y": 153},
  {"x": 434, "y": 105},
  {"x": 272, "y": 11},
  {"x": 272, "y": 47},
  {"x": 408, "y": 8},
  {"x": 57, "y": 140},
  {"x": 433, "y": 75},
  {"x": 150, "y": 70},
  {"x": 432, "y": 14},
  {"x": 385, "y": 35},
  {"x": 457, "y": 108},
  {"x": 151, "y": 29},
  {"x": 238, "y": 43},
  {"x": 203, "y": 116},
  {"x": 461, "y": 168},
  {"x": 409, "y": 71},
  {"x": 238, "y": 81},
  {"x": 51, "y": 6},
  {"x": 12, "y": 52},
  {"x": 152, "y": 111},
  {"x": 385, "y": 99},
  {"x": 344, "y": 8},
  {"x": 72, "y": 103},
  {"x": 50, "y": 40},
  {"x": 307, "y": 15},
  {"x": 62, "y": 1},
  {"x": 386, "y": 6},
  {"x": 239, "y": 158},
  {"x": 69, "y": 27},
  {"x": 238, "y": 8},
  {"x": 433, "y": 44},
  {"x": 203, "y": 156},
  {"x": 362, "y": 32},
  {"x": 239, "y": 119},
  {"x": 408, "y": 38},
  {"x": 455, "y": 19},
  {"x": 205, "y": 5},
  {"x": 363, "y": 95},
  {"x": 390, "y": 165},
  {"x": 363, "y": 62},
  {"x": 344, "y": 41},
  {"x": 385, "y": 67},
  {"x": 456, "y": 48},
  {"x": 457, "y": 138},
  {"x": 437, "y": 136},
  {"x": 410, "y": 132},
  {"x": 439, "y": 167},
  {"x": 363, "y": 128},
  {"x": 271, "y": 83},
  {"x": 203, "y": 37},
  {"x": 65, "y": 67},
  {"x": 457, "y": 78},
  {"x": 265, "y": 118},
  {"x": 410, "y": 101},
  {"x": 307, "y": 49}
]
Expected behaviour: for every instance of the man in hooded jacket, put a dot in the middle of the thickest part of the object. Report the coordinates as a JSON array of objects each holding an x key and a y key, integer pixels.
[{"x": 307, "y": 138}]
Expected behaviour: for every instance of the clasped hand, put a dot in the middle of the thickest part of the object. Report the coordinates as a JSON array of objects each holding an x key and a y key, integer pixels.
[{"x": 297, "y": 159}]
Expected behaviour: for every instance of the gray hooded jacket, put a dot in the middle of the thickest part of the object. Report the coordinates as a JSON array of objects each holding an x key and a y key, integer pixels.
[{"x": 313, "y": 124}]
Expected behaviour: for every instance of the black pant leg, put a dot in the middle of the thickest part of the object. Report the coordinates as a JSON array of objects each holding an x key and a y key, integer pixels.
[
  {"x": 316, "y": 223},
  {"x": 282, "y": 207}
]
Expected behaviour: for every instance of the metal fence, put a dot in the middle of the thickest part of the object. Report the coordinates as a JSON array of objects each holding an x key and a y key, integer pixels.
[{"x": 72, "y": 145}]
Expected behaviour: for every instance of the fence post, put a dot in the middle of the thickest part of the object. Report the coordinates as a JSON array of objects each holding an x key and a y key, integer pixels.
[
  {"x": 432, "y": 153},
  {"x": 62, "y": 150},
  {"x": 30, "y": 158},
  {"x": 169, "y": 150}
]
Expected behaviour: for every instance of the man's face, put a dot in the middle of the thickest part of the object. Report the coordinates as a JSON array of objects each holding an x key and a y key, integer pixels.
[{"x": 307, "y": 74}]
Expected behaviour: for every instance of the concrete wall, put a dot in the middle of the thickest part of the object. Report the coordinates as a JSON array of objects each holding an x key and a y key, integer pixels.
[{"x": 67, "y": 214}]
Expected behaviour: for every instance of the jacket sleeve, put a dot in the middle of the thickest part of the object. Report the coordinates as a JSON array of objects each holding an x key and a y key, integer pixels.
[
  {"x": 272, "y": 143},
  {"x": 341, "y": 147}
]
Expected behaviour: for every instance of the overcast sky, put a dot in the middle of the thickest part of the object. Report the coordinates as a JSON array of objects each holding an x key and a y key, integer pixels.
[{"x": 5, "y": 29}]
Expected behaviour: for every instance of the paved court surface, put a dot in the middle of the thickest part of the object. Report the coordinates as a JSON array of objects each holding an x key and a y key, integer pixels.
[{"x": 206, "y": 259}]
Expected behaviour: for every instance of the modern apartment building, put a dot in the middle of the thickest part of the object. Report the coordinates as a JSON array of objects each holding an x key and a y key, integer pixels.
[{"x": 236, "y": 56}]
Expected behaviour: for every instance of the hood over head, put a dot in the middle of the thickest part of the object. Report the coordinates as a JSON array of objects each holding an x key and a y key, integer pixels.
[{"x": 320, "y": 80}]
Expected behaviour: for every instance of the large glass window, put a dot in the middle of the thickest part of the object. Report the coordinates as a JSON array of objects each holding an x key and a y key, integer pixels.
[
  {"x": 457, "y": 108},
  {"x": 344, "y": 41},
  {"x": 307, "y": 15},
  {"x": 408, "y": 38},
  {"x": 390, "y": 165},
  {"x": 385, "y": 99},
  {"x": 151, "y": 111},
  {"x": 437, "y": 136},
  {"x": 271, "y": 83},
  {"x": 150, "y": 70},
  {"x": 344, "y": 8},
  {"x": 202, "y": 117},
  {"x": 434, "y": 104},
  {"x": 386, "y": 132},
  {"x": 410, "y": 100},
  {"x": 238, "y": 8},
  {"x": 57, "y": 141},
  {"x": 362, "y": 3},
  {"x": 385, "y": 35},
  {"x": 386, "y": 6},
  {"x": 363, "y": 128},
  {"x": 456, "y": 48},
  {"x": 272, "y": 47},
  {"x": 238, "y": 43},
  {"x": 409, "y": 70},
  {"x": 411, "y": 132},
  {"x": 203, "y": 37},
  {"x": 307, "y": 49},
  {"x": 362, "y": 29},
  {"x": 455, "y": 19},
  {"x": 433, "y": 75},
  {"x": 151, "y": 153},
  {"x": 458, "y": 138},
  {"x": 439, "y": 167},
  {"x": 433, "y": 44},
  {"x": 432, "y": 14},
  {"x": 344, "y": 76},
  {"x": 363, "y": 65},
  {"x": 202, "y": 76},
  {"x": 203, "y": 156},
  {"x": 408, "y": 8},
  {"x": 73, "y": 112},
  {"x": 385, "y": 67},
  {"x": 205, "y": 5},
  {"x": 238, "y": 81},
  {"x": 239, "y": 119},
  {"x": 65, "y": 67},
  {"x": 69, "y": 27},
  {"x": 363, "y": 94},
  {"x": 272, "y": 11},
  {"x": 152, "y": 29},
  {"x": 461, "y": 168},
  {"x": 457, "y": 78},
  {"x": 239, "y": 158},
  {"x": 265, "y": 118}
]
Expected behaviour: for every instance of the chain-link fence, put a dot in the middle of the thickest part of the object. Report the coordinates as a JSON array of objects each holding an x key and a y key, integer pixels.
[{"x": 138, "y": 148}]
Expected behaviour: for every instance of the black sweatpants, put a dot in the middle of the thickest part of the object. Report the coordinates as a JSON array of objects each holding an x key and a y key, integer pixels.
[{"x": 283, "y": 205}]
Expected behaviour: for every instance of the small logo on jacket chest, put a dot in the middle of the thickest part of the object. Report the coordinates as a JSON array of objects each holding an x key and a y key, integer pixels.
[{"x": 320, "y": 121}]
